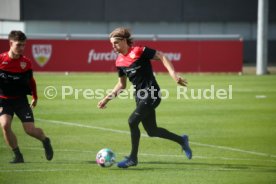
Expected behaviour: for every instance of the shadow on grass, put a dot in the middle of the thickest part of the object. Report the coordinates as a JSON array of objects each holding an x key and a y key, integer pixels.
[
  {"x": 171, "y": 166},
  {"x": 161, "y": 165},
  {"x": 212, "y": 166}
]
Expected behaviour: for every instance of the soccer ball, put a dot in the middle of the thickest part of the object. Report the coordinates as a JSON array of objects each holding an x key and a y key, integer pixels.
[{"x": 105, "y": 157}]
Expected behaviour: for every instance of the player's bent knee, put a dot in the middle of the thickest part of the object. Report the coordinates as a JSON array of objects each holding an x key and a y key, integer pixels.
[
  {"x": 29, "y": 128},
  {"x": 132, "y": 120},
  {"x": 152, "y": 133},
  {"x": 5, "y": 126},
  {"x": 29, "y": 131}
]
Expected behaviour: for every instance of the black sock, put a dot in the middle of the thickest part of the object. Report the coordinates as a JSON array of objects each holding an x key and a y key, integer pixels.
[
  {"x": 135, "y": 139},
  {"x": 46, "y": 140},
  {"x": 16, "y": 151}
]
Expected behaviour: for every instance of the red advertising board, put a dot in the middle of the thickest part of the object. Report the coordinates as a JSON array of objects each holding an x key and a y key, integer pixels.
[{"x": 98, "y": 56}]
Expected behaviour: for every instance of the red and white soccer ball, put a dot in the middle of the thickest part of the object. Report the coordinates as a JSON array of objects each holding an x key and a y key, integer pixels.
[{"x": 105, "y": 157}]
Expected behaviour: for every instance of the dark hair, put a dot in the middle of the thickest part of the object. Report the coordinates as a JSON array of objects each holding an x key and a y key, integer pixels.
[
  {"x": 17, "y": 36},
  {"x": 122, "y": 33}
]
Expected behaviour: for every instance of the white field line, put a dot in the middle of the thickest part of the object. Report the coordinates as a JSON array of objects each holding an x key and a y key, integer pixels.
[
  {"x": 5, "y": 170},
  {"x": 152, "y": 154},
  {"x": 254, "y": 90},
  {"x": 235, "y": 149},
  {"x": 144, "y": 135},
  {"x": 75, "y": 170},
  {"x": 83, "y": 126}
]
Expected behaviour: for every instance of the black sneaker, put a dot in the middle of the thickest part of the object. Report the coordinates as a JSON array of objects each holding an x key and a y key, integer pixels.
[
  {"x": 17, "y": 159},
  {"x": 48, "y": 149}
]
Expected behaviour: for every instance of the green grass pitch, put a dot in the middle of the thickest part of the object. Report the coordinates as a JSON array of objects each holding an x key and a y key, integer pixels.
[{"x": 233, "y": 140}]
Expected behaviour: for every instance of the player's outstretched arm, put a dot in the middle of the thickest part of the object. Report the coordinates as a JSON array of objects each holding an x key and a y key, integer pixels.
[
  {"x": 33, "y": 103},
  {"x": 169, "y": 66},
  {"x": 34, "y": 93},
  {"x": 121, "y": 84}
]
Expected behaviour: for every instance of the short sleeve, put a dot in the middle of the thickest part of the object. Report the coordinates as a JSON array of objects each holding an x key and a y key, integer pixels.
[
  {"x": 148, "y": 53},
  {"x": 121, "y": 73}
]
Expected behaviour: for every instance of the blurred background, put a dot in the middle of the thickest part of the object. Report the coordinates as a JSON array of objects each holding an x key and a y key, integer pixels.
[
  {"x": 86, "y": 19},
  {"x": 233, "y": 139}
]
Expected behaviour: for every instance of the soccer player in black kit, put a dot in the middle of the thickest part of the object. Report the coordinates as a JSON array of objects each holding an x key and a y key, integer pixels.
[
  {"x": 133, "y": 62},
  {"x": 16, "y": 82}
]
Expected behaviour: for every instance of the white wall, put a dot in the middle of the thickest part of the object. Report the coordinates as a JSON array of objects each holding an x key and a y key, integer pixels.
[
  {"x": 247, "y": 30},
  {"x": 9, "y": 9},
  {"x": 7, "y": 26}
]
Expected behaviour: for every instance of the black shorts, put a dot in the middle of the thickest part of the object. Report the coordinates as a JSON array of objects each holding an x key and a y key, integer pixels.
[
  {"x": 149, "y": 99},
  {"x": 20, "y": 106}
]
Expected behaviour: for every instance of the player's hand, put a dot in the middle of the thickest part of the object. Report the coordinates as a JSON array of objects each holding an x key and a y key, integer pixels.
[
  {"x": 33, "y": 103},
  {"x": 181, "y": 81},
  {"x": 102, "y": 104}
]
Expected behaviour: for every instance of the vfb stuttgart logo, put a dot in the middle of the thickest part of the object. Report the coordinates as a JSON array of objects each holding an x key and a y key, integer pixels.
[{"x": 41, "y": 53}]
